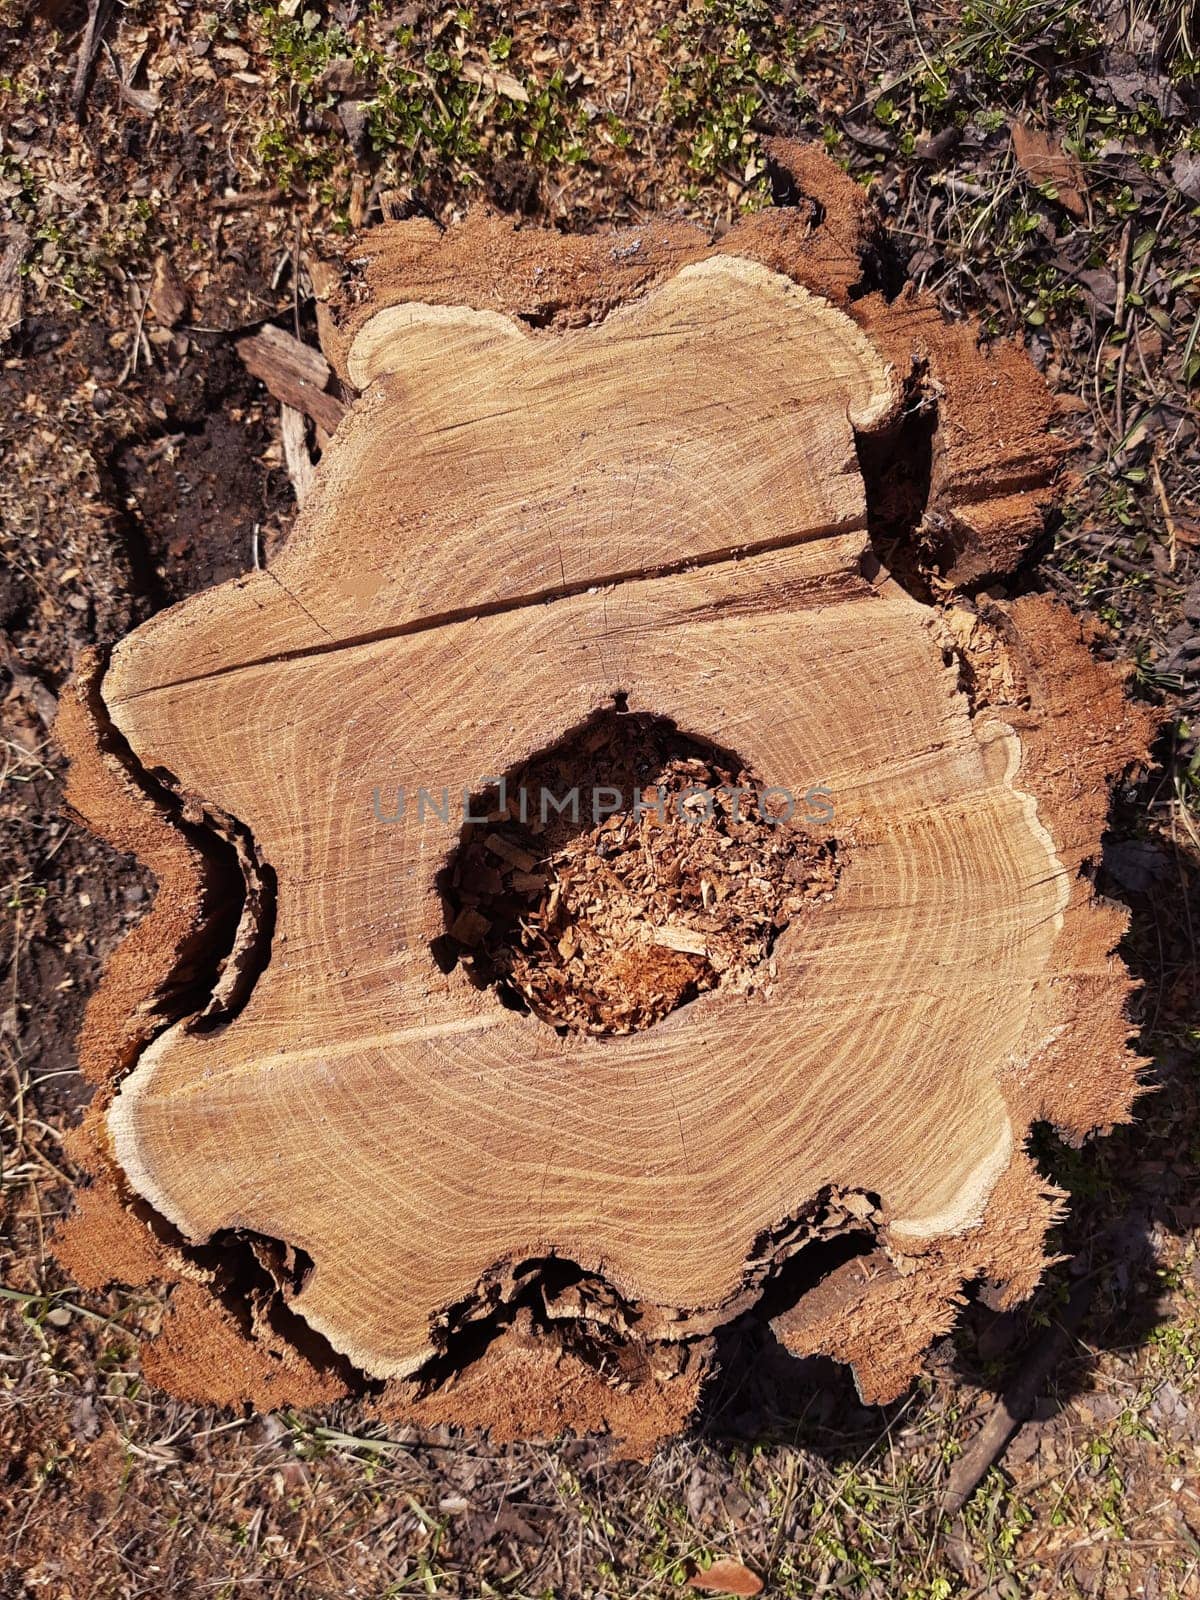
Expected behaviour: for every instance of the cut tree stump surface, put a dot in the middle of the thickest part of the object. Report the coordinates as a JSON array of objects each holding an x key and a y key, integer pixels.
[{"x": 628, "y": 476}]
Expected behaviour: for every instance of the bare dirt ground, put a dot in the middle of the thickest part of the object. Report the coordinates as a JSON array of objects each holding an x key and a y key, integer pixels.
[{"x": 166, "y": 172}]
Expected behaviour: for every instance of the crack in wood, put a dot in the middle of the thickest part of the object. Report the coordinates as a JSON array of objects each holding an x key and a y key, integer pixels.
[{"x": 542, "y": 597}]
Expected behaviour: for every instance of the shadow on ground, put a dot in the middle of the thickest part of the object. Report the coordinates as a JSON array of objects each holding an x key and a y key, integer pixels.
[{"x": 1130, "y": 1192}]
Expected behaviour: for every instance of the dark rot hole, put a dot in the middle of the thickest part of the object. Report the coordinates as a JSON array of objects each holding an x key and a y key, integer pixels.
[{"x": 624, "y": 871}]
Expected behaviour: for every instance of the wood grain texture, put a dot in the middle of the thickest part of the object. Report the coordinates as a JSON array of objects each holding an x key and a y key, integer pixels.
[
  {"x": 486, "y": 466},
  {"x": 513, "y": 529}
]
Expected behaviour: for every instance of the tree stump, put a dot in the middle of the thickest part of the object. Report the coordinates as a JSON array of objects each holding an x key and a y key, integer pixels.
[{"x": 499, "y": 1109}]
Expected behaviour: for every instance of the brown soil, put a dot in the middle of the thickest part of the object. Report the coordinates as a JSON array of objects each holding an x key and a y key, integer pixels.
[
  {"x": 605, "y": 928},
  {"x": 198, "y": 491}
]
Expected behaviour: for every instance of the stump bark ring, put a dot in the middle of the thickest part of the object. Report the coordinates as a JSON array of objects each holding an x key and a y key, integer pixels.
[{"x": 640, "y": 476}]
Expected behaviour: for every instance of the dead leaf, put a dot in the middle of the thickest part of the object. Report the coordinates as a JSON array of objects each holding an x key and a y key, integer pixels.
[
  {"x": 496, "y": 82},
  {"x": 168, "y": 300},
  {"x": 726, "y": 1576},
  {"x": 1043, "y": 160},
  {"x": 1185, "y": 172},
  {"x": 143, "y": 100},
  {"x": 147, "y": 101},
  {"x": 1150, "y": 344},
  {"x": 1069, "y": 405},
  {"x": 12, "y": 253}
]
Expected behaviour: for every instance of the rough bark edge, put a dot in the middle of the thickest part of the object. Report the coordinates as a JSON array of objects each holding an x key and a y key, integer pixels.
[
  {"x": 1030, "y": 662},
  {"x": 151, "y": 964},
  {"x": 823, "y": 238},
  {"x": 111, "y": 1236},
  {"x": 880, "y": 1313},
  {"x": 523, "y": 1387},
  {"x": 988, "y": 495},
  {"x": 986, "y": 504},
  {"x": 1080, "y": 735}
]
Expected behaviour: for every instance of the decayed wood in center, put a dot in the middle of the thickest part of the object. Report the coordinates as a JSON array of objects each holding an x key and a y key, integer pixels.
[{"x": 627, "y": 870}]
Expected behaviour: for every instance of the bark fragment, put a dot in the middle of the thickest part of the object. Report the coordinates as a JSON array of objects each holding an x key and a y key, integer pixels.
[{"x": 615, "y": 471}]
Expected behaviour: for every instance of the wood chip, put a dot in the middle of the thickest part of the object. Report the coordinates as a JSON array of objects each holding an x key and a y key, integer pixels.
[
  {"x": 495, "y": 82},
  {"x": 529, "y": 882},
  {"x": 1044, "y": 161},
  {"x": 143, "y": 100},
  {"x": 513, "y": 854},
  {"x": 168, "y": 301},
  {"x": 301, "y": 470},
  {"x": 16, "y": 242},
  {"x": 469, "y": 927},
  {"x": 686, "y": 940},
  {"x": 294, "y": 372}
]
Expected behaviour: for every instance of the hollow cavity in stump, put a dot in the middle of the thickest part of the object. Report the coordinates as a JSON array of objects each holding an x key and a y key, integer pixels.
[{"x": 627, "y": 869}]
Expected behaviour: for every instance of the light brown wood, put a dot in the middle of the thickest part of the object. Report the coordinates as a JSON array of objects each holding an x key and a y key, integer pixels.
[
  {"x": 487, "y": 466},
  {"x": 659, "y": 513}
]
